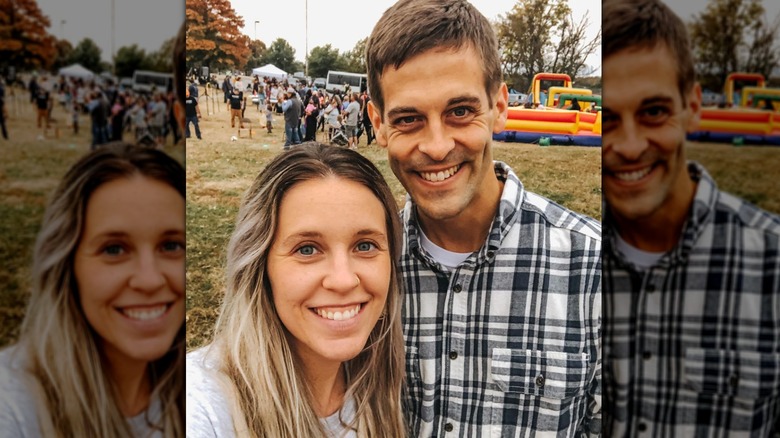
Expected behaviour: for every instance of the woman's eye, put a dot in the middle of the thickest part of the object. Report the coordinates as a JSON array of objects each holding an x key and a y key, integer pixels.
[
  {"x": 172, "y": 246},
  {"x": 307, "y": 250},
  {"x": 113, "y": 250},
  {"x": 365, "y": 246}
]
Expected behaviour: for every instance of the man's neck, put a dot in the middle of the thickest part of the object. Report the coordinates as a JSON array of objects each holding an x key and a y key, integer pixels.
[{"x": 467, "y": 231}]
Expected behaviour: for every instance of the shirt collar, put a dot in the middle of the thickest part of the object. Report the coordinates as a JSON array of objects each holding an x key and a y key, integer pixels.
[
  {"x": 506, "y": 215},
  {"x": 700, "y": 215}
]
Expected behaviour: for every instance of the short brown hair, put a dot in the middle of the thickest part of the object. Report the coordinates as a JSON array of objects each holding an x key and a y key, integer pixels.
[
  {"x": 411, "y": 27},
  {"x": 645, "y": 24}
]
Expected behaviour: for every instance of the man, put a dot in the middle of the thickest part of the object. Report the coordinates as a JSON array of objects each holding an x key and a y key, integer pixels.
[
  {"x": 98, "y": 114},
  {"x": 352, "y": 114},
  {"x": 3, "y": 111},
  {"x": 192, "y": 113},
  {"x": 236, "y": 100},
  {"x": 42, "y": 99},
  {"x": 291, "y": 107},
  {"x": 502, "y": 305},
  {"x": 691, "y": 274},
  {"x": 227, "y": 88},
  {"x": 365, "y": 119}
]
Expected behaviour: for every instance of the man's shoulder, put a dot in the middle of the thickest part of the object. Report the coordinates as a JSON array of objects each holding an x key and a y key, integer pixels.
[
  {"x": 739, "y": 212},
  {"x": 558, "y": 216}
]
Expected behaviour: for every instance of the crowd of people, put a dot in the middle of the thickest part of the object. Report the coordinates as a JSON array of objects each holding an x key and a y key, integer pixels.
[{"x": 112, "y": 110}]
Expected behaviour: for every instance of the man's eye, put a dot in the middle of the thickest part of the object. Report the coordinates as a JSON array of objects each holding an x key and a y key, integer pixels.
[
  {"x": 407, "y": 120},
  {"x": 655, "y": 114},
  {"x": 461, "y": 111}
]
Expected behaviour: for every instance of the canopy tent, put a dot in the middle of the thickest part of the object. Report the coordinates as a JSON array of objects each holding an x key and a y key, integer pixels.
[
  {"x": 76, "y": 71},
  {"x": 271, "y": 71}
]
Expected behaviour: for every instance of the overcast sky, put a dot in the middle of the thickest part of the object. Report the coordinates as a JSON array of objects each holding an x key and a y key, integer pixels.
[
  {"x": 687, "y": 8},
  {"x": 342, "y": 23},
  {"x": 147, "y": 23}
]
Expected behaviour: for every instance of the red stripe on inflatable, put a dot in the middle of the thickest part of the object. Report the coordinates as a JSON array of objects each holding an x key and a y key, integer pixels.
[
  {"x": 737, "y": 115},
  {"x": 542, "y": 116}
]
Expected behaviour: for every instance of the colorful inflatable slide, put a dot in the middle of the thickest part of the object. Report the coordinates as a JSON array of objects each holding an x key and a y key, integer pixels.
[
  {"x": 553, "y": 124},
  {"x": 749, "y": 117}
]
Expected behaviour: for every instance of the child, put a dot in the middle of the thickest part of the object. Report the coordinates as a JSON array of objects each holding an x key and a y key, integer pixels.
[{"x": 269, "y": 116}]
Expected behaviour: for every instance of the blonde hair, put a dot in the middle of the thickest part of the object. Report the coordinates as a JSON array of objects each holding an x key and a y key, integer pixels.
[
  {"x": 266, "y": 385},
  {"x": 66, "y": 367}
]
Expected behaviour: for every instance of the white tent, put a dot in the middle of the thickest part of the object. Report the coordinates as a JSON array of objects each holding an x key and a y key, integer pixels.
[
  {"x": 271, "y": 71},
  {"x": 76, "y": 71}
]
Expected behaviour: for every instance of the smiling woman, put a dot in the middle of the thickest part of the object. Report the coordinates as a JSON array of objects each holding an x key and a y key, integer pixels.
[
  {"x": 101, "y": 348},
  {"x": 308, "y": 342}
]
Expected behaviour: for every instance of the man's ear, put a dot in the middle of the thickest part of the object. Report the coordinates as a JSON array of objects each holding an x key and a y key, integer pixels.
[
  {"x": 693, "y": 102},
  {"x": 502, "y": 103},
  {"x": 375, "y": 114}
]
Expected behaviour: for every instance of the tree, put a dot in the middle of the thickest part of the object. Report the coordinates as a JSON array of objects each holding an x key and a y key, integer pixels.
[
  {"x": 322, "y": 59},
  {"x": 281, "y": 54},
  {"x": 129, "y": 59},
  {"x": 63, "y": 50},
  {"x": 213, "y": 35},
  {"x": 24, "y": 41},
  {"x": 524, "y": 36},
  {"x": 87, "y": 53},
  {"x": 162, "y": 59},
  {"x": 257, "y": 50},
  {"x": 355, "y": 60},
  {"x": 573, "y": 47},
  {"x": 730, "y": 36}
]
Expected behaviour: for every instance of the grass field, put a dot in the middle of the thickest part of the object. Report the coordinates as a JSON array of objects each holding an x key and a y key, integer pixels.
[{"x": 219, "y": 171}]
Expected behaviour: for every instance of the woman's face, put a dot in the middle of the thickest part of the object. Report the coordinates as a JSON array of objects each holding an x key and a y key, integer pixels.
[
  {"x": 129, "y": 267},
  {"x": 330, "y": 267}
]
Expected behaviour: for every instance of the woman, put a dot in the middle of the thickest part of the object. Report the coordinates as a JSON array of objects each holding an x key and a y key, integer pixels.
[
  {"x": 101, "y": 348},
  {"x": 332, "y": 115},
  {"x": 308, "y": 342}
]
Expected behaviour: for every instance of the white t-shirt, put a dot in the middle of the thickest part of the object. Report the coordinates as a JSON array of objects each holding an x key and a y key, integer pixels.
[
  {"x": 641, "y": 259},
  {"x": 447, "y": 258},
  {"x": 18, "y": 411},
  {"x": 208, "y": 410}
]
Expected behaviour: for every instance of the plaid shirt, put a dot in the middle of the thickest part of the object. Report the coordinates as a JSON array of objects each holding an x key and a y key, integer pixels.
[
  {"x": 507, "y": 344},
  {"x": 692, "y": 344}
]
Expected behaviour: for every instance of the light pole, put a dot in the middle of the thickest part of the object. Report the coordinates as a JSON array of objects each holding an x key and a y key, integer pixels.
[
  {"x": 306, "y": 69},
  {"x": 62, "y": 29},
  {"x": 113, "y": 55},
  {"x": 256, "y": 29}
]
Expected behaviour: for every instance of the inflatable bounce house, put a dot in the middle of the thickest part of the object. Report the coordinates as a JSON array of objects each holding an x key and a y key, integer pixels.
[
  {"x": 748, "y": 116},
  {"x": 555, "y": 122}
]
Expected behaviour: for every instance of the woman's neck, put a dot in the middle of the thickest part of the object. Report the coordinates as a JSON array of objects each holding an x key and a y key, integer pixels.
[
  {"x": 327, "y": 383},
  {"x": 131, "y": 380}
]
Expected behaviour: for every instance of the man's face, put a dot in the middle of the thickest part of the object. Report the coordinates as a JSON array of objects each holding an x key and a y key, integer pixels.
[
  {"x": 437, "y": 127},
  {"x": 645, "y": 121}
]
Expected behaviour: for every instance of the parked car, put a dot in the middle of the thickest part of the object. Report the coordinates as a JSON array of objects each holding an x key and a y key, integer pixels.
[{"x": 516, "y": 98}]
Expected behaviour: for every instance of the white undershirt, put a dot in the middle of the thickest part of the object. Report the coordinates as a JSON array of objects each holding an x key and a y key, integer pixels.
[
  {"x": 446, "y": 258},
  {"x": 641, "y": 259}
]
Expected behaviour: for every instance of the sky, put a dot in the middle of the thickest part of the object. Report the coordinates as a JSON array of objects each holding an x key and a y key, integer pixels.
[
  {"x": 686, "y": 9},
  {"x": 147, "y": 23},
  {"x": 342, "y": 23}
]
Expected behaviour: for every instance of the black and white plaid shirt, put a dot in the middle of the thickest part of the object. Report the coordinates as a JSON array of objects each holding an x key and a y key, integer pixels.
[
  {"x": 508, "y": 343},
  {"x": 692, "y": 344}
]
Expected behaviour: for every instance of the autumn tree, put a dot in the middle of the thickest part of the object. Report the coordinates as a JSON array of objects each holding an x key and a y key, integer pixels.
[
  {"x": 62, "y": 57},
  {"x": 87, "y": 53},
  {"x": 214, "y": 37},
  {"x": 24, "y": 41},
  {"x": 355, "y": 59},
  {"x": 730, "y": 36},
  {"x": 257, "y": 50},
  {"x": 322, "y": 59},
  {"x": 282, "y": 55}
]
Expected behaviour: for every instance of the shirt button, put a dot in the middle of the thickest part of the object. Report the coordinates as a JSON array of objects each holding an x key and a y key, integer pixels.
[
  {"x": 457, "y": 288},
  {"x": 540, "y": 380},
  {"x": 453, "y": 355},
  {"x": 642, "y": 427},
  {"x": 651, "y": 287},
  {"x": 733, "y": 380},
  {"x": 490, "y": 254},
  {"x": 646, "y": 355},
  {"x": 448, "y": 427}
]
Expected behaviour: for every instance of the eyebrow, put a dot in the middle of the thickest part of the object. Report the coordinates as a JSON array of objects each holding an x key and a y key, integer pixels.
[
  {"x": 652, "y": 100},
  {"x": 459, "y": 100},
  {"x": 316, "y": 234}
]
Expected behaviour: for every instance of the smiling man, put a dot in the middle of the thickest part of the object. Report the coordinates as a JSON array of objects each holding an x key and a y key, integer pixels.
[
  {"x": 502, "y": 306},
  {"x": 691, "y": 274}
]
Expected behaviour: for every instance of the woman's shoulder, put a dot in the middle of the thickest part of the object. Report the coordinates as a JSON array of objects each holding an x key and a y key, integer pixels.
[
  {"x": 208, "y": 407},
  {"x": 18, "y": 415}
]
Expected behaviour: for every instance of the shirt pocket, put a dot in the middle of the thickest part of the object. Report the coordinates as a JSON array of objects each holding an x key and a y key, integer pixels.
[
  {"x": 733, "y": 373},
  {"x": 542, "y": 385}
]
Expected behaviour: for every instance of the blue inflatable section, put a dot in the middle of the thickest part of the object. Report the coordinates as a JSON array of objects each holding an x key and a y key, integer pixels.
[
  {"x": 731, "y": 137},
  {"x": 555, "y": 139}
]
